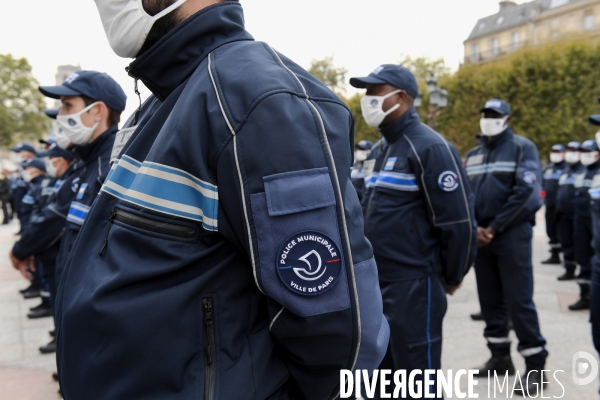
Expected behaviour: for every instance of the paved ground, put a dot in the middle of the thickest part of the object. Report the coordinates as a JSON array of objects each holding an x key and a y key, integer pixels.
[{"x": 25, "y": 374}]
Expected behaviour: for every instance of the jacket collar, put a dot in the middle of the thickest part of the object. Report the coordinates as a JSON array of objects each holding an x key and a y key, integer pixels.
[
  {"x": 172, "y": 60},
  {"x": 38, "y": 179},
  {"x": 91, "y": 151},
  {"x": 496, "y": 140},
  {"x": 395, "y": 130}
]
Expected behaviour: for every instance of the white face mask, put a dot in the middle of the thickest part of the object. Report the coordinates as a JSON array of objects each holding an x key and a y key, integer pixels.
[
  {"x": 127, "y": 24},
  {"x": 26, "y": 175},
  {"x": 557, "y": 157},
  {"x": 61, "y": 139},
  {"x": 361, "y": 155},
  {"x": 572, "y": 157},
  {"x": 17, "y": 158},
  {"x": 372, "y": 108},
  {"x": 74, "y": 128},
  {"x": 598, "y": 138},
  {"x": 589, "y": 157},
  {"x": 51, "y": 170},
  {"x": 493, "y": 126}
]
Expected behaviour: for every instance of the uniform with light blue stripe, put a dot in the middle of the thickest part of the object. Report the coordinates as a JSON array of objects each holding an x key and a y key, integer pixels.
[
  {"x": 28, "y": 200},
  {"x": 370, "y": 180},
  {"x": 397, "y": 181},
  {"x": 553, "y": 175},
  {"x": 499, "y": 166},
  {"x": 78, "y": 213},
  {"x": 164, "y": 189}
]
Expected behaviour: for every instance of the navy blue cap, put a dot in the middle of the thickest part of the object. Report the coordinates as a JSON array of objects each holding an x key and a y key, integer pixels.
[
  {"x": 573, "y": 146},
  {"x": 95, "y": 85},
  {"x": 56, "y": 151},
  {"x": 396, "y": 75},
  {"x": 365, "y": 145},
  {"x": 51, "y": 112},
  {"x": 594, "y": 119},
  {"x": 34, "y": 162},
  {"x": 559, "y": 148},
  {"x": 589, "y": 145},
  {"x": 497, "y": 105},
  {"x": 23, "y": 147}
]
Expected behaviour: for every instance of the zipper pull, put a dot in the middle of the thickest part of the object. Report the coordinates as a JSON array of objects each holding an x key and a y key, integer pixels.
[
  {"x": 208, "y": 321},
  {"x": 137, "y": 112},
  {"x": 112, "y": 216}
]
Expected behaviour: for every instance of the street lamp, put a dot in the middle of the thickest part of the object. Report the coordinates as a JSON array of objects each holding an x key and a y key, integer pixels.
[{"x": 438, "y": 100}]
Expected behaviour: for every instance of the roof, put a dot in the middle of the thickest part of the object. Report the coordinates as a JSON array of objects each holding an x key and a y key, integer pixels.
[
  {"x": 512, "y": 16},
  {"x": 507, "y": 18}
]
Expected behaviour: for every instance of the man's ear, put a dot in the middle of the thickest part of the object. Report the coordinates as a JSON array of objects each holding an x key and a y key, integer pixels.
[
  {"x": 508, "y": 120},
  {"x": 101, "y": 112}
]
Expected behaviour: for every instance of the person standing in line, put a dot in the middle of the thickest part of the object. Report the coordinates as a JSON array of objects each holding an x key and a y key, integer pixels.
[
  {"x": 551, "y": 176},
  {"x": 419, "y": 216},
  {"x": 590, "y": 158},
  {"x": 505, "y": 174},
  {"x": 565, "y": 209}
]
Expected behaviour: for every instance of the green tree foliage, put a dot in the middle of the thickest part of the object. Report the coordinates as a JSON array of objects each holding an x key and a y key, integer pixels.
[
  {"x": 333, "y": 77},
  {"x": 552, "y": 89},
  {"x": 21, "y": 103},
  {"x": 421, "y": 67}
]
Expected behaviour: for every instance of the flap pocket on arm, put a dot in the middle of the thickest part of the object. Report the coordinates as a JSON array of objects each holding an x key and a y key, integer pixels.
[
  {"x": 301, "y": 262},
  {"x": 297, "y": 191}
]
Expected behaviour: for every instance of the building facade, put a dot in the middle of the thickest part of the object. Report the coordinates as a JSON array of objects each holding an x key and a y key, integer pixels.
[{"x": 530, "y": 23}]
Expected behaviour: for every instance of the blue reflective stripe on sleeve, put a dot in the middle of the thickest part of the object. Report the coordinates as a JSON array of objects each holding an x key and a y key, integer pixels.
[
  {"x": 370, "y": 180},
  {"x": 595, "y": 193},
  {"x": 164, "y": 189},
  {"x": 78, "y": 213},
  {"x": 28, "y": 200},
  {"x": 499, "y": 166},
  {"x": 397, "y": 181}
]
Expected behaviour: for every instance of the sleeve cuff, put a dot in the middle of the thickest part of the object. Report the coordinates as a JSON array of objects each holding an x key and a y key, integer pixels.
[{"x": 19, "y": 252}]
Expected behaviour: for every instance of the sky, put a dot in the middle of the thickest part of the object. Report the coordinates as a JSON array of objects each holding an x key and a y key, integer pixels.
[{"x": 360, "y": 34}]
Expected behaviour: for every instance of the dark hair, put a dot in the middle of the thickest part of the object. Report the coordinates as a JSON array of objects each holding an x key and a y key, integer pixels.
[{"x": 114, "y": 117}]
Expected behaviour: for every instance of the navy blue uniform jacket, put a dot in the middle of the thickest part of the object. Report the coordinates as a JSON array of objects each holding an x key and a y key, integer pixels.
[
  {"x": 28, "y": 203},
  {"x": 419, "y": 205},
  {"x": 565, "y": 198},
  {"x": 551, "y": 176},
  {"x": 584, "y": 181},
  {"x": 92, "y": 170},
  {"x": 225, "y": 255},
  {"x": 46, "y": 227},
  {"x": 505, "y": 174}
]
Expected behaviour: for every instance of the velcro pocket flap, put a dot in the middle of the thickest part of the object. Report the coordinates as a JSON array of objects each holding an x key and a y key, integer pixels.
[{"x": 297, "y": 191}]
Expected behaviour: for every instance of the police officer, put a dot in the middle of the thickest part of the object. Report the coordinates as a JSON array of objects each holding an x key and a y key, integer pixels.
[
  {"x": 505, "y": 175},
  {"x": 363, "y": 148},
  {"x": 419, "y": 217},
  {"x": 590, "y": 157},
  {"x": 594, "y": 193},
  {"x": 565, "y": 209},
  {"x": 42, "y": 239},
  {"x": 551, "y": 175},
  {"x": 92, "y": 103},
  {"x": 228, "y": 225},
  {"x": 19, "y": 187}
]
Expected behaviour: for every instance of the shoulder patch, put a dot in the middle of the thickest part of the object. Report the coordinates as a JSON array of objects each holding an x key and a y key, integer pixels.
[
  {"x": 309, "y": 263},
  {"x": 448, "y": 181},
  {"x": 529, "y": 177},
  {"x": 390, "y": 163}
]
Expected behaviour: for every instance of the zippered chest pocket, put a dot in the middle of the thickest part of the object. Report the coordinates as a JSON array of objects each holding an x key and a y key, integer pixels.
[{"x": 160, "y": 227}]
